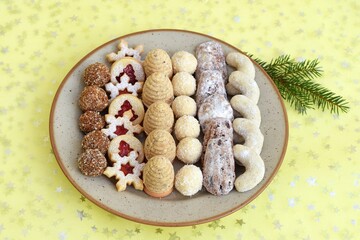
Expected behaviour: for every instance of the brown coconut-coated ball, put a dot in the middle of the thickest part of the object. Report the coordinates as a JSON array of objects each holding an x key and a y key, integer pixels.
[
  {"x": 97, "y": 74},
  {"x": 90, "y": 121},
  {"x": 96, "y": 140},
  {"x": 93, "y": 98},
  {"x": 92, "y": 162}
]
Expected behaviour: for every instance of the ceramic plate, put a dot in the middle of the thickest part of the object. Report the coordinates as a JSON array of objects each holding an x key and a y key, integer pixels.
[{"x": 174, "y": 210}]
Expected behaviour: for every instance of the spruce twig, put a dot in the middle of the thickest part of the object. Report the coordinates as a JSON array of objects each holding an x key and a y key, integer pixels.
[{"x": 295, "y": 83}]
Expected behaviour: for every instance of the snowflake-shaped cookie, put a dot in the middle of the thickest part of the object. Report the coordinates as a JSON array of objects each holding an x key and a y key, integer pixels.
[
  {"x": 120, "y": 125},
  {"x": 127, "y": 171},
  {"x": 124, "y": 51},
  {"x": 124, "y": 86}
]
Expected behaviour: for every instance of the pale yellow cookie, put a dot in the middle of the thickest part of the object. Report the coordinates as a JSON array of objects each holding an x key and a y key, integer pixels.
[
  {"x": 122, "y": 146},
  {"x": 184, "y": 105},
  {"x": 158, "y": 116},
  {"x": 183, "y": 61},
  {"x": 157, "y": 87},
  {"x": 158, "y": 177},
  {"x": 189, "y": 150},
  {"x": 126, "y": 102},
  {"x": 184, "y": 84},
  {"x": 160, "y": 142},
  {"x": 187, "y": 126},
  {"x": 188, "y": 180},
  {"x": 157, "y": 60}
]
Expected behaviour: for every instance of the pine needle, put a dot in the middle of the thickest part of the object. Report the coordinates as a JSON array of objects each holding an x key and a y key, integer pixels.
[{"x": 294, "y": 80}]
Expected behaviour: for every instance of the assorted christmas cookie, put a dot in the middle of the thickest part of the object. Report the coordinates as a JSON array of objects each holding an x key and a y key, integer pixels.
[
  {"x": 97, "y": 74},
  {"x": 160, "y": 142},
  {"x": 93, "y": 98},
  {"x": 124, "y": 103},
  {"x": 158, "y": 177},
  {"x": 127, "y": 170},
  {"x": 92, "y": 162},
  {"x": 127, "y": 96},
  {"x": 127, "y": 76},
  {"x": 121, "y": 125},
  {"x": 157, "y": 87},
  {"x": 125, "y": 51},
  {"x": 157, "y": 60}
]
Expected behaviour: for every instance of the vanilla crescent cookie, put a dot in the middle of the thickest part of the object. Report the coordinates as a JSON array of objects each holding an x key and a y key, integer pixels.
[
  {"x": 250, "y": 132},
  {"x": 160, "y": 142},
  {"x": 157, "y": 60},
  {"x": 125, "y": 51},
  {"x": 127, "y": 171},
  {"x": 126, "y": 102},
  {"x": 122, "y": 146},
  {"x": 120, "y": 125},
  {"x": 242, "y": 81},
  {"x": 247, "y": 108},
  {"x": 158, "y": 116},
  {"x": 157, "y": 87},
  {"x": 254, "y": 168}
]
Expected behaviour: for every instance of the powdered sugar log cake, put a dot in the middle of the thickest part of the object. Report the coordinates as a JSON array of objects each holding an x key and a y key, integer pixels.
[{"x": 210, "y": 56}]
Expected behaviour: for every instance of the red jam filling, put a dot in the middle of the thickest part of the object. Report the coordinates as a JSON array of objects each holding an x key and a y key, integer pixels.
[
  {"x": 124, "y": 149},
  {"x": 125, "y": 91},
  {"x": 129, "y": 71},
  {"x": 126, "y": 106},
  {"x": 121, "y": 130},
  {"x": 127, "y": 169}
]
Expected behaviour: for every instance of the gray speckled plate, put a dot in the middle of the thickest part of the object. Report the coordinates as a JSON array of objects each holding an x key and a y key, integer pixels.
[{"x": 174, "y": 210}]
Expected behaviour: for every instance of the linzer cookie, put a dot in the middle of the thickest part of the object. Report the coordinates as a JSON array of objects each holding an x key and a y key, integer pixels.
[
  {"x": 157, "y": 60},
  {"x": 125, "y": 51},
  {"x": 121, "y": 146},
  {"x": 157, "y": 87},
  {"x": 158, "y": 116},
  {"x": 127, "y": 75},
  {"x": 126, "y": 102},
  {"x": 158, "y": 177},
  {"x": 160, "y": 142},
  {"x": 121, "y": 125},
  {"x": 127, "y": 170}
]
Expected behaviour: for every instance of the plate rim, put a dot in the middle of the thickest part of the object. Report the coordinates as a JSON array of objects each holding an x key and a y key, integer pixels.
[{"x": 159, "y": 223}]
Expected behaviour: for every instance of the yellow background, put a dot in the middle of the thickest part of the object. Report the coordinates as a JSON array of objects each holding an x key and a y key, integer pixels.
[{"x": 316, "y": 194}]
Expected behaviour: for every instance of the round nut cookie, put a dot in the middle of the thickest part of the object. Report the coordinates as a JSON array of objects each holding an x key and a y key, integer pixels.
[
  {"x": 183, "y": 61},
  {"x": 183, "y": 105}
]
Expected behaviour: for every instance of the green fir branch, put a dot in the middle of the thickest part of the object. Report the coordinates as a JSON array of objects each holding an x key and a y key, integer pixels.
[{"x": 294, "y": 79}]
